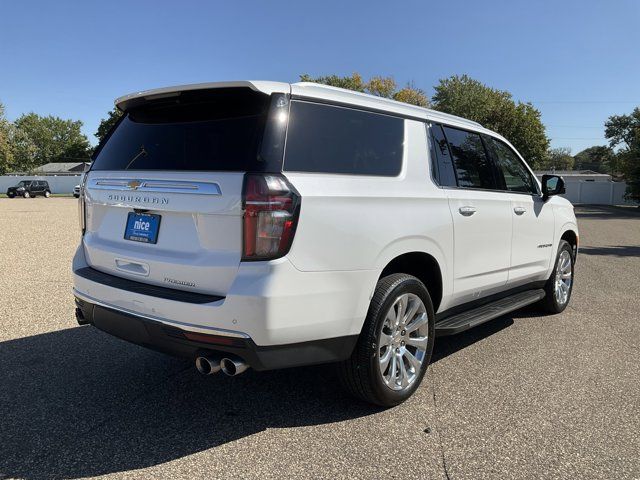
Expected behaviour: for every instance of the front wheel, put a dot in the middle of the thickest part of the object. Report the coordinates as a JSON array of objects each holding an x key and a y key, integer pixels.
[
  {"x": 26, "y": 195},
  {"x": 396, "y": 343},
  {"x": 560, "y": 285}
]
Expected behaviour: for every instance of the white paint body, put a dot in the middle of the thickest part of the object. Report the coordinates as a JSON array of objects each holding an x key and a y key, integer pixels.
[{"x": 349, "y": 229}]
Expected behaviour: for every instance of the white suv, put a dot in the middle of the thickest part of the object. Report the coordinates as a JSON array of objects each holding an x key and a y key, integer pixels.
[{"x": 272, "y": 225}]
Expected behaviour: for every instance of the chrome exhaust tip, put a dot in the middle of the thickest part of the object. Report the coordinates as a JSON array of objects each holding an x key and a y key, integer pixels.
[
  {"x": 207, "y": 365},
  {"x": 233, "y": 366}
]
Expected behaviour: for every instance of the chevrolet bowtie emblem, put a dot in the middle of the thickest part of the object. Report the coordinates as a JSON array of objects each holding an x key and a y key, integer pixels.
[{"x": 134, "y": 184}]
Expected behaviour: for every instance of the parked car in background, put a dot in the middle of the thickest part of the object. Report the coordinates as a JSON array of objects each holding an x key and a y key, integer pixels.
[
  {"x": 76, "y": 191},
  {"x": 273, "y": 225},
  {"x": 29, "y": 189}
]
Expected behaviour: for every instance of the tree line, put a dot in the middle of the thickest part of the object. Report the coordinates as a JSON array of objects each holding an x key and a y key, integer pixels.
[{"x": 33, "y": 140}]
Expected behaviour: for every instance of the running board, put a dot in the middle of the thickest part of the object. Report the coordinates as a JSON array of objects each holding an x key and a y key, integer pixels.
[{"x": 471, "y": 318}]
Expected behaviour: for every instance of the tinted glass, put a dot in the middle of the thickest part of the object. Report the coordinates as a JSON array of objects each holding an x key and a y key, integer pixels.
[
  {"x": 441, "y": 157},
  {"x": 473, "y": 167},
  {"x": 516, "y": 177},
  {"x": 329, "y": 139},
  {"x": 204, "y": 130}
]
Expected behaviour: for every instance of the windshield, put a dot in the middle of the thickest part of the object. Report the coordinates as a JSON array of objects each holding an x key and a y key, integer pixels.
[
  {"x": 23, "y": 184},
  {"x": 208, "y": 130}
]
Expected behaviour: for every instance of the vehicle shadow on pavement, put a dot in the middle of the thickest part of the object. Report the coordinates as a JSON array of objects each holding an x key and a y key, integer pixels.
[
  {"x": 77, "y": 403},
  {"x": 607, "y": 212},
  {"x": 445, "y": 346},
  {"x": 615, "y": 251}
]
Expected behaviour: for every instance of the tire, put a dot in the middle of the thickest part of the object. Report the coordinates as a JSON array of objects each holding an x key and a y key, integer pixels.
[
  {"x": 26, "y": 195},
  {"x": 362, "y": 374},
  {"x": 47, "y": 194},
  {"x": 554, "y": 300}
]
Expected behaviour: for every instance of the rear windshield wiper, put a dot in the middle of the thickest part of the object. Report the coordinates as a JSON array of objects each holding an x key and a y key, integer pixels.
[{"x": 142, "y": 152}]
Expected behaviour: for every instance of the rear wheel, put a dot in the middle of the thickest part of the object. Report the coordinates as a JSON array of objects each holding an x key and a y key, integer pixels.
[
  {"x": 560, "y": 285},
  {"x": 395, "y": 346},
  {"x": 47, "y": 193}
]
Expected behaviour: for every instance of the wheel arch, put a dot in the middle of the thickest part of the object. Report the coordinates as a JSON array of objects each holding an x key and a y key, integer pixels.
[
  {"x": 571, "y": 237},
  {"x": 424, "y": 267}
]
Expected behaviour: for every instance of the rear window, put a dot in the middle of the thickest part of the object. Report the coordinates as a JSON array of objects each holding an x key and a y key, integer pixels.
[
  {"x": 206, "y": 130},
  {"x": 330, "y": 139},
  {"x": 473, "y": 167}
]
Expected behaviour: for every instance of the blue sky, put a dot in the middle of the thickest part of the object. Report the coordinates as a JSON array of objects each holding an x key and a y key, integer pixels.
[{"x": 577, "y": 61}]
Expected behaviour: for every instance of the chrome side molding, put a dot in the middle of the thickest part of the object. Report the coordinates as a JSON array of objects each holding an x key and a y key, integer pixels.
[{"x": 158, "y": 186}]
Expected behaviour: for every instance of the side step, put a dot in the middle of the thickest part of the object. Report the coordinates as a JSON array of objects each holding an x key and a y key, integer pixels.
[{"x": 471, "y": 318}]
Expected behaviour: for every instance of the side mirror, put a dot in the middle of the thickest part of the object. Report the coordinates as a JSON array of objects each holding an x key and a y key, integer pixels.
[{"x": 552, "y": 185}]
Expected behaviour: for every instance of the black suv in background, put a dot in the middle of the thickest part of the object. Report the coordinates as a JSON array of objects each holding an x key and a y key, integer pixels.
[{"x": 29, "y": 189}]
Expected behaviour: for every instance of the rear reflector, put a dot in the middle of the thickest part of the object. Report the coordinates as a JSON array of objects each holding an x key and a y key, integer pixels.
[
  {"x": 213, "y": 339},
  {"x": 271, "y": 207}
]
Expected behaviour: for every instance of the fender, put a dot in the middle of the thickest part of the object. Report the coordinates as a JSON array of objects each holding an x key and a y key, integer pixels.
[{"x": 419, "y": 244}]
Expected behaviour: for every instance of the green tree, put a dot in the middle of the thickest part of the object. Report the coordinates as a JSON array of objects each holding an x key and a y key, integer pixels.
[
  {"x": 623, "y": 133},
  {"x": 39, "y": 140},
  {"x": 354, "y": 82},
  {"x": 598, "y": 158},
  {"x": 380, "y": 86},
  {"x": 519, "y": 122},
  {"x": 106, "y": 124},
  {"x": 557, "y": 159},
  {"x": 412, "y": 95},
  {"x": 6, "y": 150}
]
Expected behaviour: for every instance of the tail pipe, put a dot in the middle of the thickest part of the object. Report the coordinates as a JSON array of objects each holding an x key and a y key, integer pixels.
[
  {"x": 208, "y": 365},
  {"x": 233, "y": 366}
]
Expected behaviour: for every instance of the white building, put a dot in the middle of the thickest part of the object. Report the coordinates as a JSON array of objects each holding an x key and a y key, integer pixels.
[{"x": 587, "y": 186}]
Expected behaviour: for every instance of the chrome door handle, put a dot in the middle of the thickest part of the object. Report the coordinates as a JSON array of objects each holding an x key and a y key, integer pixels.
[
  {"x": 519, "y": 210},
  {"x": 467, "y": 211}
]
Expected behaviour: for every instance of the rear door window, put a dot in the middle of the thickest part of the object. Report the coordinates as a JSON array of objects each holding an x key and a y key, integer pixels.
[
  {"x": 472, "y": 165},
  {"x": 332, "y": 139},
  {"x": 441, "y": 157},
  {"x": 516, "y": 176}
]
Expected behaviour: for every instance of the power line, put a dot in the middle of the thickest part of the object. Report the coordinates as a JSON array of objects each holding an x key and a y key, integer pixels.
[
  {"x": 575, "y": 126},
  {"x": 585, "y": 101},
  {"x": 578, "y": 138}
]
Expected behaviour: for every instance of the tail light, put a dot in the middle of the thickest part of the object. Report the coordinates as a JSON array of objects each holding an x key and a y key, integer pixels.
[{"x": 271, "y": 208}]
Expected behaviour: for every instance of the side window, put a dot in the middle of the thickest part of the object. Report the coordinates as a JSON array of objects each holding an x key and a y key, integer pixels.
[
  {"x": 516, "y": 176},
  {"x": 473, "y": 167},
  {"x": 331, "y": 139},
  {"x": 441, "y": 157}
]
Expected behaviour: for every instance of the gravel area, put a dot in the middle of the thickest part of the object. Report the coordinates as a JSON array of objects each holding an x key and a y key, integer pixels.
[{"x": 524, "y": 396}]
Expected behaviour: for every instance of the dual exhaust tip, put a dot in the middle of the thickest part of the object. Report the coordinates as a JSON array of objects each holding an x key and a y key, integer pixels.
[{"x": 231, "y": 366}]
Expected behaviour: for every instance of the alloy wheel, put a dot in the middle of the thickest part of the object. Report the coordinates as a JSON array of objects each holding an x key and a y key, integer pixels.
[
  {"x": 564, "y": 277},
  {"x": 403, "y": 342}
]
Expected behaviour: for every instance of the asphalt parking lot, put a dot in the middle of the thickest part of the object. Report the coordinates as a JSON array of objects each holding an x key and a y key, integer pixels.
[{"x": 525, "y": 396}]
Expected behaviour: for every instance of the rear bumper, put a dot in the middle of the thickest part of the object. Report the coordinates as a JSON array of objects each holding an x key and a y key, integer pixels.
[
  {"x": 273, "y": 315},
  {"x": 188, "y": 344}
]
